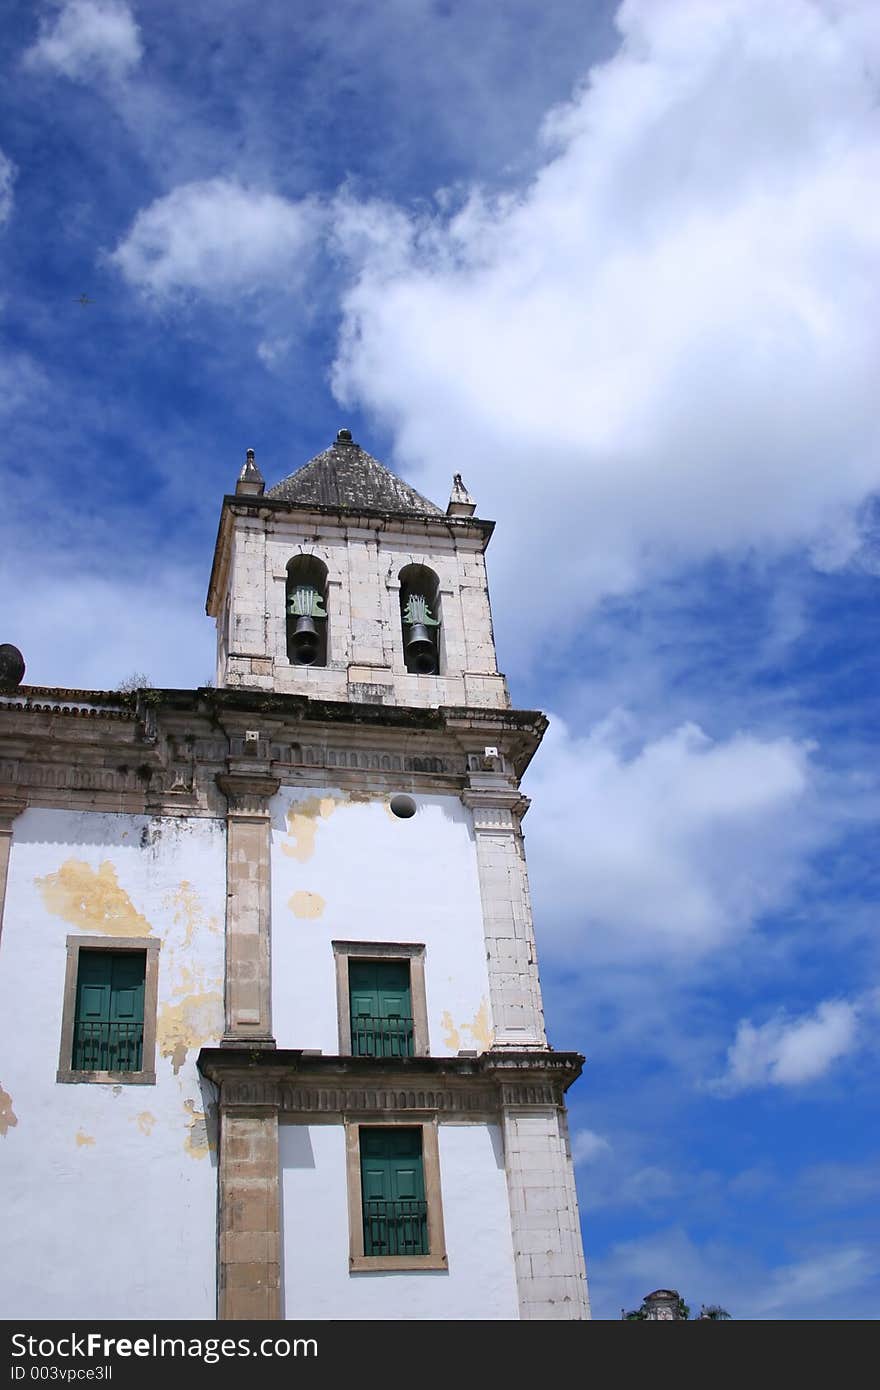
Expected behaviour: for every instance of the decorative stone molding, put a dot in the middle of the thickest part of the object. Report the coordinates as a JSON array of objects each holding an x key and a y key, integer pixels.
[
  {"x": 331, "y": 1088},
  {"x": 247, "y": 794}
]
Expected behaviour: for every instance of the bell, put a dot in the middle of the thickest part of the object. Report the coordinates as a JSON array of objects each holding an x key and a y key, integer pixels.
[
  {"x": 305, "y": 642},
  {"x": 421, "y": 654}
]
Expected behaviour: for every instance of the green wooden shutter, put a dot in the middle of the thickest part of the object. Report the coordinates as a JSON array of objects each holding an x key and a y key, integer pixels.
[
  {"x": 381, "y": 1008},
  {"x": 127, "y": 1010},
  {"x": 109, "y": 1023},
  {"x": 393, "y": 1190}
]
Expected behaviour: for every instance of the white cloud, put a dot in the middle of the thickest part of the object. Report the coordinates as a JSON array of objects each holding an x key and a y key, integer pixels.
[
  {"x": 663, "y": 846},
  {"x": 7, "y": 179},
  {"x": 664, "y": 347},
  {"x": 89, "y": 40},
  {"x": 790, "y": 1051},
  {"x": 587, "y": 1146},
  {"x": 218, "y": 237}
]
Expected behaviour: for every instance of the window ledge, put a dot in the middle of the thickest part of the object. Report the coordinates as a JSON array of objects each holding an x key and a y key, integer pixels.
[
  {"x": 114, "y": 1078},
  {"x": 363, "y": 1264}
]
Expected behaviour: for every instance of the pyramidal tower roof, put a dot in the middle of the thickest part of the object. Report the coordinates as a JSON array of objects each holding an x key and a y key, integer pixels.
[{"x": 347, "y": 477}]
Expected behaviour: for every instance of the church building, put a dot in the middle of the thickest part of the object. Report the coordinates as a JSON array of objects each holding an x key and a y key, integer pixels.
[{"x": 272, "y": 1041}]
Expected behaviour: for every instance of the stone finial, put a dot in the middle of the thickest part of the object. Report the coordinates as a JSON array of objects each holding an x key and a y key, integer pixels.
[
  {"x": 250, "y": 479},
  {"x": 460, "y": 501},
  {"x": 343, "y": 436}
]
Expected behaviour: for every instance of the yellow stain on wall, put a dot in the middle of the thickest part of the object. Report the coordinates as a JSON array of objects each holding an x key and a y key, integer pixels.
[
  {"x": 145, "y": 1122},
  {"x": 8, "y": 1117},
  {"x": 190, "y": 980},
  {"x": 92, "y": 899},
  {"x": 479, "y": 1029},
  {"x": 196, "y": 1142},
  {"x": 302, "y": 825},
  {"x": 187, "y": 1025},
  {"x": 452, "y": 1038},
  {"x": 189, "y": 911},
  {"x": 83, "y": 1140},
  {"x": 306, "y": 904}
]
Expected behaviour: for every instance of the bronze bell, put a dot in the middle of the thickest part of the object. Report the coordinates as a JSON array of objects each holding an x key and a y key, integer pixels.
[
  {"x": 421, "y": 654},
  {"x": 305, "y": 641}
]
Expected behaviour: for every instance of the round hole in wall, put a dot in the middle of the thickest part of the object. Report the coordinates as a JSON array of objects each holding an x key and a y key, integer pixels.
[{"x": 403, "y": 806}]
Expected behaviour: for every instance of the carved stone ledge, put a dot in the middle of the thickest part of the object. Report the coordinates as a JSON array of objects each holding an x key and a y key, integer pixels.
[
  {"x": 330, "y": 1088},
  {"x": 12, "y": 803},
  {"x": 248, "y": 794}
]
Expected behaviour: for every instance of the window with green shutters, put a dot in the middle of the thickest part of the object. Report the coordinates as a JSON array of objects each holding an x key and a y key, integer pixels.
[
  {"x": 380, "y": 1000},
  {"x": 108, "y": 1030},
  {"x": 395, "y": 1212}
]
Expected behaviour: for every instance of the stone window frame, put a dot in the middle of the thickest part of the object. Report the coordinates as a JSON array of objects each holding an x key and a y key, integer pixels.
[
  {"x": 147, "y": 1075},
  {"x": 414, "y": 953},
  {"x": 437, "y": 1257}
]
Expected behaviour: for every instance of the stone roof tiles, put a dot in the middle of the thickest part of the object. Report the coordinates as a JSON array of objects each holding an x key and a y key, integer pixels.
[{"x": 347, "y": 477}]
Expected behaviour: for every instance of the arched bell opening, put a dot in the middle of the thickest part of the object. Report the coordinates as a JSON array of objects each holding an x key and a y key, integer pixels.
[
  {"x": 306, "y": 606},
  {"x": 420, "y": 619}
]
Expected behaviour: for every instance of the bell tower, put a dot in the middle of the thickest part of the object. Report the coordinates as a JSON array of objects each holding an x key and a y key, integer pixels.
[
  {"x": 342, "y": 582},
  {"x": 385, "y": 1082}
]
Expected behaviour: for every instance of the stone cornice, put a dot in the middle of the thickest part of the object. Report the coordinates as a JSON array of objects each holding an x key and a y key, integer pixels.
[
  {"x": 12, "y": 803},
  {"x": 248, "y": 793},
  {"x": 158, "y": 752},
  {"x": 316, "y": 1087}
]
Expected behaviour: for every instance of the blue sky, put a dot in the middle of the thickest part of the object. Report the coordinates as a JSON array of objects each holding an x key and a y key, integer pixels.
[{"x": 618, "y": 266}]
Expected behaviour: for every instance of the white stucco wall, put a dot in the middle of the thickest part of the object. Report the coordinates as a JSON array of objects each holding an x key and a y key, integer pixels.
[
  {"x": 109, "y": 1192},
  {"x": 350, "y": 870},
  {"x": 479, "y": 1283}
]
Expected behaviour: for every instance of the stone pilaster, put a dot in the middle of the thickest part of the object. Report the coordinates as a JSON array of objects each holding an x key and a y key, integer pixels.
[
  {"x": 514, "y": 986},
  {"x": 250, "y": 1213},
  {"x": 548, "y": 1251},
  {"x": 248, "y": 905},
  {"x": 11, "y": 805}
]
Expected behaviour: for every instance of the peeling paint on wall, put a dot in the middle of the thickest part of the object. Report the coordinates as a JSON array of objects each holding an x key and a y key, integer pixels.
[
  {"x": 451, "y": 1038},
  {"x": 304, "y": 904},
  {"x": 83, "y": 1140},
  {"x": 302, "y": 825},
  {"x": 92, "y": 899},
  {"x": 185, "y": 1026},
  {"x": 145, "y": 1122},
  {"x": 189, "y": 911},
  {"x": 8, "y": 1117},
  {"x": 196, "y": 1142},
  {"x": 479, "y": 1029}
]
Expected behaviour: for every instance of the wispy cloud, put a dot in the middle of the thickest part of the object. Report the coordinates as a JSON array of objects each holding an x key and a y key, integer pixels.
[
  {"x": 787, "y": 1051},
  {"x": 218, "y": 238},
  {"x": 88, "y": 40},
  {"x": 586, "y": 1146}
]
